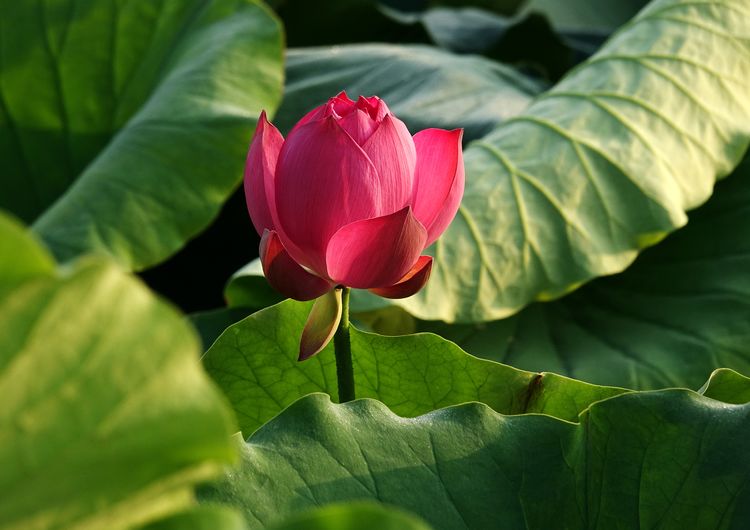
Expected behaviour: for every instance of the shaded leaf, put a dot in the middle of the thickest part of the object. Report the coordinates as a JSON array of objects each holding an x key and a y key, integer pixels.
[
  {"x": 585, "y": 16},
  {"x": 248, "y": 287},
  {"x": 423, "y": 86},
  {"x": 342, "y": 21},
  {"x": 465, "y": 29},
  {"x": 526, "y": 40},
  {"x": 505, "y": 7},
  {"x": 210, "y": 324},
  {"x": 727, "y": 386}
]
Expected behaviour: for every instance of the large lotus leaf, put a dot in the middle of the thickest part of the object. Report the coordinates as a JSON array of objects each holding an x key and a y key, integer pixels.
[
  {"x": 423, "y": 86},
  {"x": 255, "y": 363},
  {"x": 465, "y": 29},
  {"x": 498, "y": 6},
  {"x": 203, "y": 517},
  {"x": 727, "y": 386},
  {"x": 344, "y": 516},
  {"x": 248, "y": 287},
  {"x": 210, "y": 324},
  {"x": 604, "y": 164},
  {"x": 123, "y": 125},
  {"x": 585, "y": 16},
  {"x": 358, "y": 515},
  {"x": 108, "y": 419},
  {"x": 679, "y": 312},
  {"x": 527, "y": 39},
  {"x": 671, "y": 459},
  {"x": 22, "y": 258},
  {"x": 546, "y": 37}
]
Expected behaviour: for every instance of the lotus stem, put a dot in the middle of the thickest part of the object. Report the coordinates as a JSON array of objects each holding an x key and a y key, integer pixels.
[{"x": 343, "y": 347}]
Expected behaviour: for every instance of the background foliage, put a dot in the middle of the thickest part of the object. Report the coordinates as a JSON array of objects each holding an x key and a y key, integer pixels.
[{"x": 575, "y": 361}]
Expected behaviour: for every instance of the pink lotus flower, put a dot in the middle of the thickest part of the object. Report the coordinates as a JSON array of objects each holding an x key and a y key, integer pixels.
[{"x": 351, "y": 198}]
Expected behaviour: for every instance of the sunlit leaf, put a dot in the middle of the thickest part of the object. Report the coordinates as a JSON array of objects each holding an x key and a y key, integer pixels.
[
  {"x": 358, "y": 515},
  {"x": 124, "y": 125},
  {"x": 255, "y": 363},
  {"x": 670, "y": 459},
  {"x": 679, "y": 312},
  {"x": 108, "y": 420},
  {"x": 599, "y": 167}
]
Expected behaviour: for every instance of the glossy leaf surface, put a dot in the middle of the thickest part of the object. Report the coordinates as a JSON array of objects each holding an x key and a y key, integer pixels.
[{"x": 123, "y": 125}]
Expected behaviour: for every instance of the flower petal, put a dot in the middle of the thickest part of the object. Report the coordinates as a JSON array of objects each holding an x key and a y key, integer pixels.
[
  {"x": 321, "y": 324},
  {"x": 374, "y": 106},
  {"x": 438, "y": 179},
  {"x": 259, "y": 173},
  {"x": 324, "y": 181},
  {"x": 375, "y": 252},
  {"x": 359, "y": 125},
  {"x": 412, "y": 281},
  {"x": 286, "y": 275},
  {"x": 392, "y": 151},
  {"x": 338, "y": 104}
]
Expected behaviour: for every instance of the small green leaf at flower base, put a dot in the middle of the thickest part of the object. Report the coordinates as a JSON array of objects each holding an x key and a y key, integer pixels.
[{"x": 321, "y": 324}]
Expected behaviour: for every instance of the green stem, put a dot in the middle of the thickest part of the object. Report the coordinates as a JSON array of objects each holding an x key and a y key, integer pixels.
[{"x": 343, "y": 346}]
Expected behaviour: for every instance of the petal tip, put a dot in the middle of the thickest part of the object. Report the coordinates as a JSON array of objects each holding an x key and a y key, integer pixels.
[
  {"x": 306, "y": 354},
  {"x": 411, "y": 283}
]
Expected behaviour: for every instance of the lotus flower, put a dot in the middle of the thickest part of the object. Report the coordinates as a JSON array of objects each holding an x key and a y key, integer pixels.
[{"x": 351, "y": 199}]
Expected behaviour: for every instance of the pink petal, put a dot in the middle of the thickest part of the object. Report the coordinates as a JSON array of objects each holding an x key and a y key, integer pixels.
[
  {"x": 315, "y": 114},
  {"x": 341, "y": 102},
  {"x": 321, "y": 324},
  {"x": 375, "y": 252},
  {"x": 259, "y": 173},
  {"x": 438, "y": 179},
  {"x": 324, "y": 181},
  {"x": 285, "y": 275},
  {"x": 341, "y": 105},
  {"x": 412, "y": 281},
  {"x": 374, "y": 106},
  {"x": 359, "y": 125},
  {"x": 392, "y": 151}
]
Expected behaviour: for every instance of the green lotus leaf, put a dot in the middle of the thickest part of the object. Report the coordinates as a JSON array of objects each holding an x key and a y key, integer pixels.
[
  {"x": 602, "y": 165},
  {"x": 358, "y": 515},
  {"x": 124, "y": 125},
  {"x": 679, "y": 312},
  {"x": 255, "y": 363},
  {"x": 108, "y": 420},
  {"x": 423, "y": 86},
  {"x": 671, "y": 459}
]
